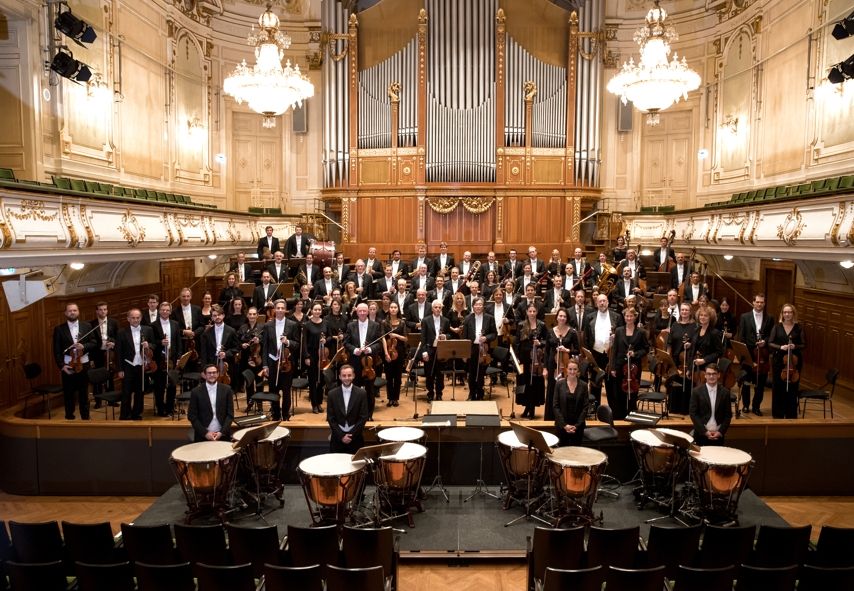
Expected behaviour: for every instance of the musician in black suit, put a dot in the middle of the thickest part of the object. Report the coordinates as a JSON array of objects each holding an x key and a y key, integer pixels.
[
  {"x": 210, "y": 425},
  {"x": 538, "y": 267},
  {"x": 307, "y": 273},
  {"x": 363, "y": 280},
  {"x": 579, "y": 265},
  {"x": 662, "y": 254},
  {"x": 340, "y": 270},
  {"x": 433, "y": 329},
  {"x": 73, "y": 334},
  {"x": 754, "y": 328},
  {"x": 491, "y": 264},
  {"x": 577, "y": 313},
  {"x": 132, "y": 344},
  {"x": 440, "y": 292},
  {"x": 152, "y": 314},
  {"x": 625, "y": 287},
  {"x": 269, "y": 242},
  {"x": 530, "y": 299},
  {"x": 680, "y": 273},
  {"x": 399, "y": 268},
  {"x": 444, "y": 262},
  {"x": 219, "y": 343},
  {"x": 168, "y": 348},
  {"x": 278, "y": 269},
  {"x": 417, "y": 311},
  {"x": 347, "y": 412},
  {"x": 267, "y": 292},
  {"x": 241, "y": 268},
  {"x": 693, "y": 289},
  {"x": 324, "y": 286},
  {"x": 188, "y": 316},
  {"x": 422, "y": 280},
  {"x": 711, "y": 419},
  {"x": 386, "y": 283},
  {"x": 599, "y": 326},
  {"x": 280, "y": 334},
  {"x": 105, "y": 332},
  {"x": 360, "y": 340},
  {"x": 421, "y": 259},
  {"x": 373, "y": 265},
  {"x": 632, "y": 262},
  {"x": 570, "y": 406},
  {"x": 556, "y": 296},
  {"x": 478, "y": 329},
  {"x": 512, "y": 267},
  {"x": 297, "y": 245}
]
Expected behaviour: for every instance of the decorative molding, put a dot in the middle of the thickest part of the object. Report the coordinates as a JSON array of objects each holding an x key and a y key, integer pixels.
[
  {"x": 131, "y": 229},
  {"x": 476, "y": 205},
  {"x": 31, "y": 210},
  {"x": 790, "y": 230}
]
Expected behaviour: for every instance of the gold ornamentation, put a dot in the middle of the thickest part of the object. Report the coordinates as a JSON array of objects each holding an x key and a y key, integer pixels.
[
  {"x": 688, "y": 232},
  {"x": 837, "y": 223},
  {"x": 73, "y": 241},
  {"x": 477, "y": 205},
  {"x": 442, "y": 204},
  {"x": 232, "y": 231},
  {"x": 87, "y": 225},
  {"x": 169, "y": 236},
  {"x": 7, "y": 234},
  {"x": 31, "y": 209},
  {"x": 530, "y": 90},
  {"x": 756, "y": 218},
  {"x": 576, "y": 215},
  {"x": 131, "y": 229},
  {"x": 394, "y": 92},
  {"x": 790, "y": 230}
]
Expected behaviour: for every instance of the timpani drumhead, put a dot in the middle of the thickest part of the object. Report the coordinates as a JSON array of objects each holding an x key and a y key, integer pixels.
[
  {"x": 203, "y": 451},
  {"x": 278, "y": 433},
  {"x": 722, "y": 456},
  {"x": 722, "y": 467},
  {"x": 509, "y": 439},
  {"x": 330, "y": 465},
  {"x": 648, "y": 438},
  {"x": 400, "y": 434},
  {"x": 577, "y": 456},
  {"x": 575, "y": 470},
  {"x": 681, "y": 434},
  {"x": 408, "y": 451}
]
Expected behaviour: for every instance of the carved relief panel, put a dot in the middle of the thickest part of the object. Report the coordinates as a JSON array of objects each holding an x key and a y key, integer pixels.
[
  {"x": 734, "y": 110},
  {"x": 190, "y": 99}
]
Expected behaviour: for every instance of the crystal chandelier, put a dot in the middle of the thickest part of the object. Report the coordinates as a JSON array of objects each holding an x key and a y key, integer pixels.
[
  {"x": 653, "y": 84},
  {"x": 267, "y": 87}
]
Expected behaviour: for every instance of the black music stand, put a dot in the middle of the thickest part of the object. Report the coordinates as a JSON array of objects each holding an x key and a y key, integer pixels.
[
  {"x": 413, "y": 342},
  {"x": 682, "y": 447},
  {"x": 251, "y": 436},
  {"x": 482, "y": 421},
  {"x": 453, "y": 350},
  {"x": 439, "y": 422},
  {"x": 745, "y": 359},
  {"x": 535, "y": 441}
]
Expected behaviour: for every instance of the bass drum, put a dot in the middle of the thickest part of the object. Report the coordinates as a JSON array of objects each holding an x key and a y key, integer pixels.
[{"x": 322, "y": 252}]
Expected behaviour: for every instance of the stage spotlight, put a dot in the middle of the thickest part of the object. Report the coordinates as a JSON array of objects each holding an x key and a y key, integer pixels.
[
  {"x": 77, "y": 29},
  {"x": 65, "y": 65},
  {"x": 842, "y": 71},
  {"x": 844, "y": 28}
]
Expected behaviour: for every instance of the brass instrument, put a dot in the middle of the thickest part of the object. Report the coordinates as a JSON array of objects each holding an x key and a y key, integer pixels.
[
  {"x": 475, "y": 267},
  {"x": 607, "y": 279}
]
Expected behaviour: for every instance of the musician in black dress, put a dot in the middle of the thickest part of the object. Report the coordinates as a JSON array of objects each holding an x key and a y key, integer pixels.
[
  {"x": 683, "y": 334},
  {"x": 563, "y": 339},
  {"x": 787, "y": 337},
  {"x": 478, "y": 329},
  {"x": 315, "y": 333},
  {"x": 630, "y": 347},
  {"x": 230, "y": 292},
  {"x": 394, "y": 349},
  {"x": 708, "y": 342},
  {"x": 725, "y": 321},
  {"x": 531, "y": 350},
  {"x": 570, "y": 406},
  {"x": 619, "y": 252},
  {"x": 249, "y": 336}
]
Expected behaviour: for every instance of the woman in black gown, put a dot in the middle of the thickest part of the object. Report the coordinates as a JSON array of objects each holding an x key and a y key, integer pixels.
[
  {"x": 394, "y": 348},
  {"x": 314, "y": 329},
  {"x": 562, "y": 338},
  {"x": 530, "y": 384},
  {"x": 630, "y": 346},
  {"x": 786, "y": 336}
]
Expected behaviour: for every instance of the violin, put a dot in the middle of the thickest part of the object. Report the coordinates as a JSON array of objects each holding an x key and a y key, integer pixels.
[
  {"x": 763, "y": 358},
  {"x": 285, "y": 363},
  {"x": 391, "y": 347},
  {"x": 148, "y": 361},
  {"x": 342, "y": 351},
  {"x": 76, "y": 359},
  {"x": 536, "y": 357},
  {"x": 368, "y": 371},
  {"x": 255, "y": 349},
  {"x": 562, "y": 359},
  {"x": 790, "y": 373}
]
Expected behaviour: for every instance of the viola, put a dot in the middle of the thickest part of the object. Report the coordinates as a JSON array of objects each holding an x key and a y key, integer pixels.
[
  {"x": 149, "y": 362},
  {"x": 763, "y": 357},
  {"x": 631, "y": 375},
  {"x": 368, "y": 371},
  {"x": 341, "y": 352},
  {"x": 76, "y": 359},
  {"x": 285, "y": 363},
  {"x": 790, "y": 373},
  {"x": 255, "y": 351},
  {"x": 391, "y": 346}
]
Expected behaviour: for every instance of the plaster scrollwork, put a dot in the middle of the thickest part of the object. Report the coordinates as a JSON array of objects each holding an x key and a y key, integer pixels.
[
  {"x": 73, "y": 240},
  {"x": 87, "y": 226},
  {"x": 837, "y": 223},
  {"x": 131, "y": 229},
  {"x": 757, "y": 217},
  {"x": 6, "y": 233},
  {"x": 31, "y": 210},
  {"x": 790, "y": 230},
  {"x": 165, "y": 220},
  {"x": 688, "y": 231},
  {"x": 232, "y": 231}
]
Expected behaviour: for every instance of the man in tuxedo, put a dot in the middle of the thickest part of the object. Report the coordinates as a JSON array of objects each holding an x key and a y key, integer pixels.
[
  {"x": 363, "y": 280},
  {"x": 525, "y": 279},
  {"x": 278, "y": 269},
  {"x": 373, "y": 266},
  {"x": 73, "y": 334},
  {"x": 105, "y": 332},
  {"x": 387, "y": 283},
  {"x": 399, "y": 269},
  {"x": 219, "y": 343},
  {"x": 625, "y": 287},
  {"x": 360, "y": 341},
  {"x": 754, "y": 328},
  {"x": 710, "y": 409},
  {"x": 279, "y": 334},
  {"x": 297, "y": 246},
  {"x": 693, "y": 290},
  {"x": 188, "y": 315},
  {"x": 433, "y": 329},
  {"x": 512, "y": 267},
  {"x": 681, "y": 272},
  {"x": 167, "y": 347},
  {"x": 530, "y": 299},
  {"x": 632, "y": 262},
  {"x": 402, "y": 297},
  {"x": 662, "y": 254},
  {"x": 421, "y": 280},
  {"x": 209, "y": 424},
  {"x": 466, "y": 265},
  {"x": 538, "y": 267},
  {"x": 347, "y": 412},
  {"x": 421, "y": 259},
  {"x": 269, "y": 242},
  {"x": 241, "y": 268},
  {"x": 491, "y": 264},
  {"x": 443, "y": 262},
  {"x": 266, "y": 292},
  {"x": 556, "y": 296},
  {"x": 150, "y": 315},
  {"x": 132, "y": 344},
  {"x": 598, "y": 328},
  {"x": 340, "y": 270},
  {"x": 323, "y": 287},
  {"x": 440, "y": 293},
  {"x": 577, "y": 313},
  {"x": 417, "y": 310},
  {"x": 579, "y": 264},
  {"x": 478, "y": 329},
  {"x": 307, "y": 273}
]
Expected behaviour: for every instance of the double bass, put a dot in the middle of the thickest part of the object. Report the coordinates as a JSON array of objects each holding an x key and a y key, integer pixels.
[{"x": 668, "y": 265}]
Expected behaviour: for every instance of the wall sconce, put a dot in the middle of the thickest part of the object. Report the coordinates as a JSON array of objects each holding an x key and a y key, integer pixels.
[{"x": 730, "y": 124}]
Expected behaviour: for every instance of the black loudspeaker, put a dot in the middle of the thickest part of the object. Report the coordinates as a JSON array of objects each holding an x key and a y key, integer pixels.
[
  {"x": 300, "y": 118},
  {"x": 624, "y": 116}
]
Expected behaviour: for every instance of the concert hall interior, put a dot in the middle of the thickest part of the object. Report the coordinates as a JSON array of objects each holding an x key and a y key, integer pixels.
[{"x": 396, "y": 142}]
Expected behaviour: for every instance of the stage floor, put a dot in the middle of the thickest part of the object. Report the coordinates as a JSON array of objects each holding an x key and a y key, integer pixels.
[{"x": 456, "y": 529}]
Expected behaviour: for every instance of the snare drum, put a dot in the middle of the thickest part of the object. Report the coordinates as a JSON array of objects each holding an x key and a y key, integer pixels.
[
  {"x": 405, "y": 434},
  {"x": 331, "y": 483},
  {"x": 206, "y": 471},
  {"x": 720, "y": 474},
  {"x": 267, "y": 457},
  {"x": 323, "y": 253}
]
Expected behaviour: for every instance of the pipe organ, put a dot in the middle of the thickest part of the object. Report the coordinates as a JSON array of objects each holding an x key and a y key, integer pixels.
[{"x": 492, "y": 104}]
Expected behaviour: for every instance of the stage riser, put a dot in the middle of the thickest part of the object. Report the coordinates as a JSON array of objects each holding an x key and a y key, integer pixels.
[{"x": 790, "y": 459}]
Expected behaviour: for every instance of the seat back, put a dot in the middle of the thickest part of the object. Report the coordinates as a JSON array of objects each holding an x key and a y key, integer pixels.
[
  {"x": 780, "y": 546},
  {"x": 36, "y": 542},
  {"x": 557, "y": 548},
  {"x": 32, "y": 371},
  {"x": 255, "y": 545},
  {"x": 287, "y": 578},
  {"x": 724, "y": 546},
  {"x": 704, "y": 579},
  {"x": 313, "y": 545},
  {"x": 150, "y": 544},
  {"x": 201, "y": 543},
  {"x": 364, "y": 547},
  {"x": 97, "y": 577},
  {"x": 98, "y": 375},
  {"x": 818, "y": 578},
  {"x": 835, "y": 547},
  {"x": 355, "y": 579},
  {"x": 164, "y": 577},
  {"x": 238, "y": 577},
  {"x": 672, "y": 546},
  {"x": 634, "y": 579},
  {"x": 605, "y": 414},
  {"x": 91, "y": 543},
  {"x": 613, "y": 546},
  {"x": 39, "y": 576},
  {"x": 753, "y": 578},
  {"x": 584, "y": 579}
]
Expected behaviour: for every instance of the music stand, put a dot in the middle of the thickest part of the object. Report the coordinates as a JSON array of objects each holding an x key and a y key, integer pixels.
[
  {"x": 413, "y": 342},
  {"x": 438, "y": 422},
  {"x": 251, "y": 436},
  {"x": 453, "y": 349},
  {"x": 745, "y": 359},
  {"x": 683, "y": 446},
  {"x": 482, "y": 421},
  {"x": 535, "y": 441},
  {"x": 370, "y": 453}
]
